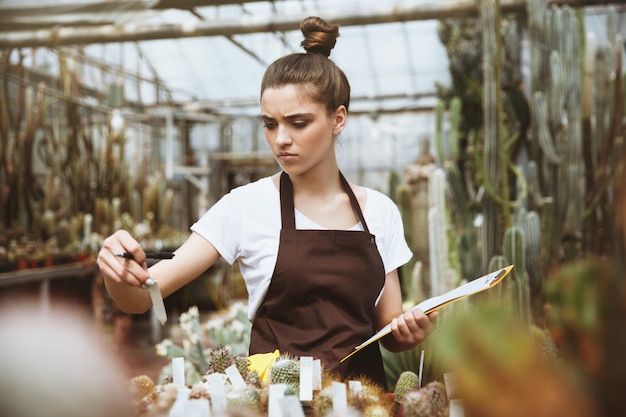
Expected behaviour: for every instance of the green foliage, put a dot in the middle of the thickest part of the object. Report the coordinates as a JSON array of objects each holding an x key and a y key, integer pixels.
[
  {"x": 463, "y": 42},
  {"x": 202, "y": 350},
  {"x": 569, "y": 130}
]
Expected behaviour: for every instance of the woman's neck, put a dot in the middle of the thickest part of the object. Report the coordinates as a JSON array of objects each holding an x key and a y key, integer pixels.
[{"x": 323, "y": 199}]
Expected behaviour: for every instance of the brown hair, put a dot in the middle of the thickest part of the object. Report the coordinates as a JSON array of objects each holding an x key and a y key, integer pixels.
[{"x": 323, "y": 81}]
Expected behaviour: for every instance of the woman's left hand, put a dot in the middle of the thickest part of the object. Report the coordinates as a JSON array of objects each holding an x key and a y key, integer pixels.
[{"x": 413, "y": 326}]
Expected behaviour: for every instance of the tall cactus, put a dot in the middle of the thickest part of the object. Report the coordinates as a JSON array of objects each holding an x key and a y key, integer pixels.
[
  {"x": 556, "y": 110},
  {"x": 412, "y": 199},
  {"x": 462, "y": 211},
  {"x": 505, "y": 289},
  {"x": 496, "y": 210},
  {"x": 443, "y": 277},
  {"x": 539, "y": 35},
  {"x": 572, "y": 157},
  {"x": 574, "y": 162},
  {"x": 532, "y": 244},
  {"x": 515, "y": 251},
  {"x": 469, "y": 254},
  {"x": 403, "y": 197},
  {"x": 439, "y": 146}
]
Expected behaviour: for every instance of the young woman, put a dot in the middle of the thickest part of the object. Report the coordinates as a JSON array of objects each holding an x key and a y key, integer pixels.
[{"x": 319, "y": 255}]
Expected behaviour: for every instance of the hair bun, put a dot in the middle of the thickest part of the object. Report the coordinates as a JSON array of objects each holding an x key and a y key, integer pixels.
[{"x": 319, "y": 36}]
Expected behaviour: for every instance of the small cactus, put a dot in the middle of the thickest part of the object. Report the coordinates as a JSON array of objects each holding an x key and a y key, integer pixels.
[
  {"x": 436, "y": 392},
  {"x": 323, "y": 402},
  {"x": 376, "y": 410},
  {"x": 416, "y": 404},
  {"x": 429, "y": 401},
  {"x": 243, "y": 366},
  {"x": 144, "y": 393},
  {"x": 142, "y": 386},
  {"x": 254, "y": 379},
  {"x": 249, "y": 398},
  {"x": 286, "y": 370},
  {"x": 220, "y": 360},
  {"x": 199, "y": 390},
  {"x": 369, "y": 395},
  {"x": 407, "y": 381}
]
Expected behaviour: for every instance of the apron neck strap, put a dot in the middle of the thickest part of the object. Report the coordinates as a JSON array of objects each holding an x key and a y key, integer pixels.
[
  {"x": 287, "y": 213},
  {"x": 287, "y": 207}
]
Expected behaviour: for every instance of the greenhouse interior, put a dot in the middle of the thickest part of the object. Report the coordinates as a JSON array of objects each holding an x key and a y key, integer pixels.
[{"x": 136, "y": 137}]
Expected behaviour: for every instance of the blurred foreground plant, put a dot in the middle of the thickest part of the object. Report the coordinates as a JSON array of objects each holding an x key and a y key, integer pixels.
[
  {"x": 586, "y": 315},
  {"x": 502, "y": 368}
]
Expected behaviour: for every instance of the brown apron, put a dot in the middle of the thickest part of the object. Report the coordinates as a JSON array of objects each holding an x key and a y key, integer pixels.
[{"x": 321, "y": 299}]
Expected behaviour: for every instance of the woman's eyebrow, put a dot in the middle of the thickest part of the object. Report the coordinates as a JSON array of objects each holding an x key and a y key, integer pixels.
[
  {"x": 297, "y": 115},
  {"x": 289, "y": 116}
]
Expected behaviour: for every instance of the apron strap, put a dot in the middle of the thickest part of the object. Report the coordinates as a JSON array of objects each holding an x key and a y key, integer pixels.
[
  {"x": 355, "y": 203},
  {"x": 287, "y": 208},
  {"x": 288, "y": 215}
]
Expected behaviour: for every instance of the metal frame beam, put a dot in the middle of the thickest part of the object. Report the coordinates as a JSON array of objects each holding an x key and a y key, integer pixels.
[
  {"x": 18, "y": 9},
  {"x": 433, "y": 9}
]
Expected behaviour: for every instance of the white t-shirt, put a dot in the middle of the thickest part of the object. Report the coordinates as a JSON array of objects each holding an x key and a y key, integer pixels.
[{"x": 245, "y": 224}]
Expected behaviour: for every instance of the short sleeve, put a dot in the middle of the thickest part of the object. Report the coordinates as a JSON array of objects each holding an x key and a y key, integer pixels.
[
  {"x": 385, "y": 222},
  {"x": 222, "y": 226}
]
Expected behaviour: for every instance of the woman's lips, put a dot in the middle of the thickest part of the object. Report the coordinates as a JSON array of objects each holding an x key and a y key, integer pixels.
[{"x": 286, "y": 157}]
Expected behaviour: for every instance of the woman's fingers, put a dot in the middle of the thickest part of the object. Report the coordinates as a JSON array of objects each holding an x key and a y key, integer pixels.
[
  {"x": 122, "y": 241},
  {"x": 413, "y": 326},
  {"x": 121, "y": 270},
  {"x": 129, "y": 271}
]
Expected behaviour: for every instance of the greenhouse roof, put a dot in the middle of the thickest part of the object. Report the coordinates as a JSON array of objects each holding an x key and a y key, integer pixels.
[{"x": 209, "y": 55}]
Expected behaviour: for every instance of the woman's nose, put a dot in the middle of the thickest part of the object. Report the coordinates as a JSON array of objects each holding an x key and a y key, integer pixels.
[{"x": 282, "y": 136}]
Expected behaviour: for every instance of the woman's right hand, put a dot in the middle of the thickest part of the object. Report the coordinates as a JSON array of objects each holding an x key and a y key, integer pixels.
[
  {"x": 132, "y": 272},
  {"x": 124, "y": 278}
]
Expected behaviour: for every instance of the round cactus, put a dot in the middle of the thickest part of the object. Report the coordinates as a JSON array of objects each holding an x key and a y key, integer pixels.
[
  {"x": 286, "y": 370},
  {"x": 429, "y": 401},
  {"x": 248, "y": 398},
  {"x": 243, "y": 363},
  {"x": 220, "y": 359},
  {"x": 370, "y": 394},
  {"x": 407, "y": 381},
  {"x": 199, "y": 390},
  {"x": 254, "y": 379},
  {"x": 142, "y": 386},
  {"x": 416, "y": 404},
  {"x": 323, "y": 402},
  {"x": 376, "y": 410},
  {"x": 436, "y": 393}
]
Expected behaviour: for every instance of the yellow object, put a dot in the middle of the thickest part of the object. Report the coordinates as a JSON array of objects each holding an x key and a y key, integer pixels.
[{"x": 262, "y": 362}]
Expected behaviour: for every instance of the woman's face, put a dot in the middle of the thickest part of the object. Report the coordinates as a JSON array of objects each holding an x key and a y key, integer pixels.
[{"x": 300, "y": 132}]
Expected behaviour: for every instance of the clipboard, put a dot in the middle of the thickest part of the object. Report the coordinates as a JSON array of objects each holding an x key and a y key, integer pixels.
[{"x": 435, "y": 303}]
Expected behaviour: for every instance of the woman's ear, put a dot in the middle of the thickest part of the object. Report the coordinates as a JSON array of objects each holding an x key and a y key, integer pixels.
[{"x": 341, "y": 116}]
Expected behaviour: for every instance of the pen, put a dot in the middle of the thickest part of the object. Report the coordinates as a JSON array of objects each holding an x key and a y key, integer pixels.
[{"x": 149, "y": 255}]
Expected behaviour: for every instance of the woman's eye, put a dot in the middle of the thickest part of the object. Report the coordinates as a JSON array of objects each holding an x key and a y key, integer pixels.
[
  {"x": 299, "y": 124},
  {"x": 268, "y": 125}
]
